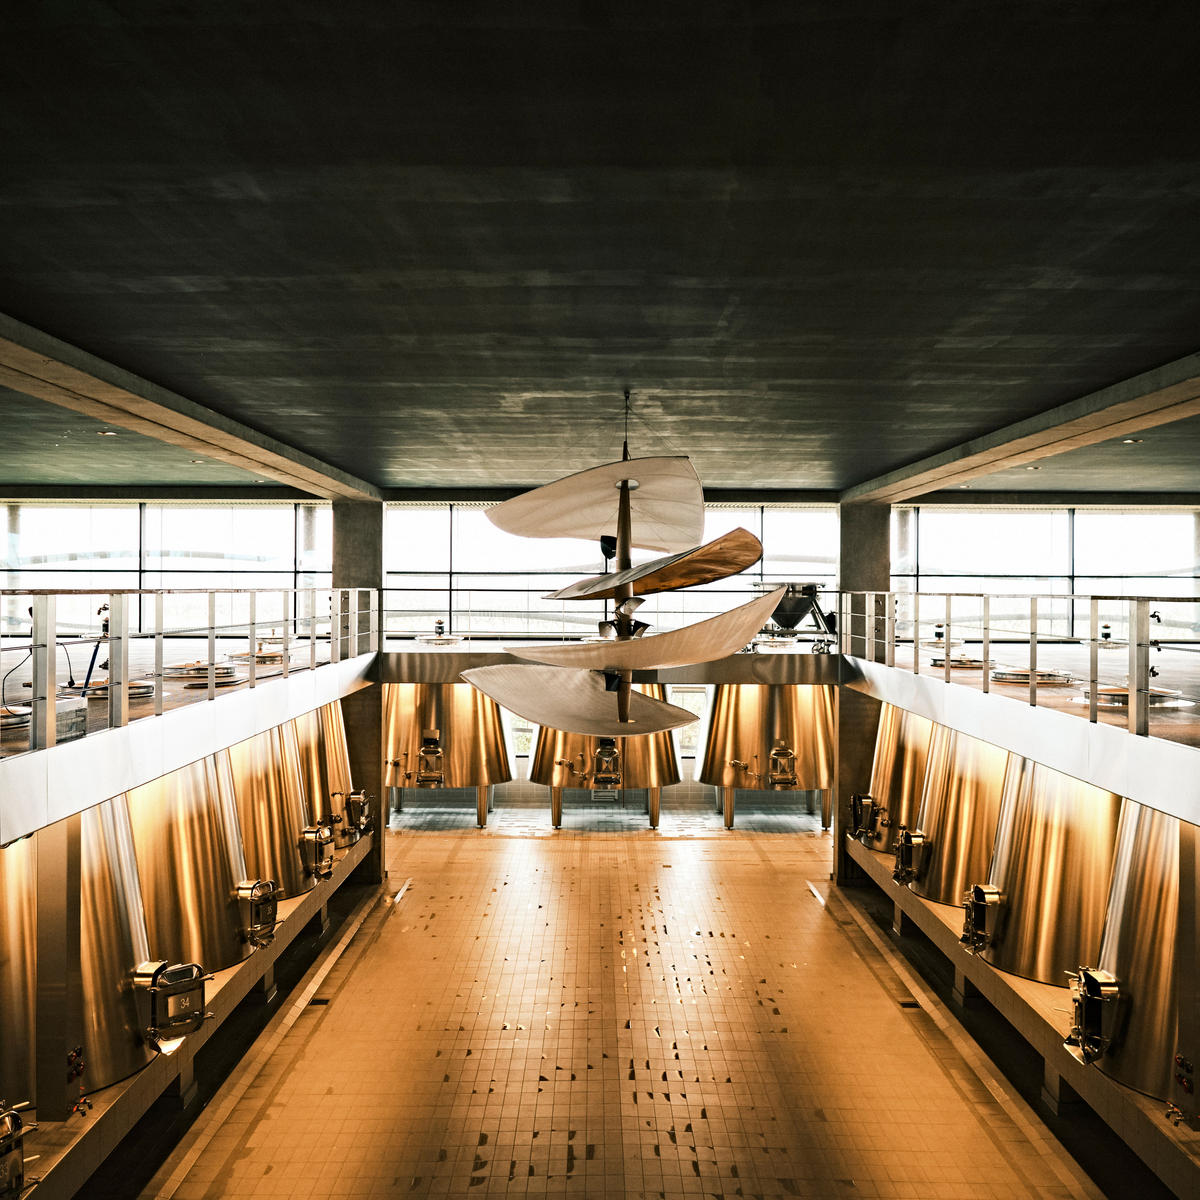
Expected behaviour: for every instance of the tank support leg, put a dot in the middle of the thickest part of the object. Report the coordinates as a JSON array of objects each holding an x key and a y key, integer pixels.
[
  {"x": 556, "y": 807},
  {"x": 727, "y": 806},
  {"x": 481, "y": 804},
  {"x": 653, "y": 796}
]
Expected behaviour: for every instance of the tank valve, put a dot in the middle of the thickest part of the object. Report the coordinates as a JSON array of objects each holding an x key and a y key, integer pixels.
[
  {"x": 864, "y": 817},
  {"x": 781, "y": 766},
  {"x": 910, "y": 850},
  {"x": 1096, "y": 1010},
  {"x": 316, "y": 850},
  {"x": 431, "y": 771},
  {"x": 606, "y": 763},
  {"x": 170, "y": 1000},
  {"x": 12, "y": 1156},
  {"x": 981, "y": 916},
  {"x": 258, "y": 904}
]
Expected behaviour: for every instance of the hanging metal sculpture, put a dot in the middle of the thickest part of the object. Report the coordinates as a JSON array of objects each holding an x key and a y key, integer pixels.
[{"x": 636, "y": 503}]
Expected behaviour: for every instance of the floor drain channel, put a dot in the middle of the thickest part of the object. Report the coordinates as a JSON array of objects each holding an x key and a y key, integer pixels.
[
  {"x": 909, "y": 1004},
  {"x": 317, "y": 1001}
]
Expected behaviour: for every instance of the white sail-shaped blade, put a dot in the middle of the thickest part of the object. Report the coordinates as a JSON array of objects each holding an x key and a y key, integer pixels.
[
  {"x": 574, "y": 701},
  {"x": 724, "y": 556},
  {"x": 666, "y": 506},
  {"x": 702, "y": 642}
]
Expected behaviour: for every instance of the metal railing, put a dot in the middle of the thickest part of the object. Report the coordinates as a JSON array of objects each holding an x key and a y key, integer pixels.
[
  {"x": 226, "y": 639},
  {"x": 1131, "y": 660}
]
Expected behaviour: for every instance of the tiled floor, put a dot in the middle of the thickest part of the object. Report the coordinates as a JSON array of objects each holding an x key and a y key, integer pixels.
[{"x": 619, "y": 1014}]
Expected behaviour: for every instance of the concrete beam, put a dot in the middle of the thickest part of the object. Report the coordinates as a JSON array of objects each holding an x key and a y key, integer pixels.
[
  {"x": 35, "y": 364},
  {"x": 1158, "y": 397}
]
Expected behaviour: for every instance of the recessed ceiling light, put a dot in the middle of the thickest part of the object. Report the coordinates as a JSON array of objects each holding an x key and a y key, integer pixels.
[
  {"x": 964, "y": 485},
  {"x": 197, "y": 460},
  {"x": 1131, "y": 441},
  {"x": 107, "y": 433},
  {"x": 1033, "y": 468}
]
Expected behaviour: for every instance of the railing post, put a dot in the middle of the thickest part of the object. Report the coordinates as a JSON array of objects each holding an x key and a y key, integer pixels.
[
  {"x": 1033, "y": 649},
  {"x": 916, "y": 633},
  {"x": 212, "y": 645},
  {"x": 289, "y": 599},
  {"x": 43, "y": 722},
  {"x": 251, "y": 637},
  {"x": 889, "y": 630},
  {"x": 1094, "y": 662},
  {"x": 376, "y": 619},
  {"x": 1139, "y": 667},
  {"x": 352, "y": 602},
  {"x": 158, "y": 654},
  {"x": 118, "y": 661},
  {"x": 337, "y": 599},
  {"x": 312, "y": 628},
  {"x": 946, "y": 636},
  {"x": 987, "y": 643}
]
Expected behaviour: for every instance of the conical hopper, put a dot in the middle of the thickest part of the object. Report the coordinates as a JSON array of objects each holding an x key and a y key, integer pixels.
[
  {"x": 750, "y": 723},
  {"x": 1052, "y": 864},
  {"x": 469, "y": 736},
  {"x": 960, "y": 807},
  {"x": 1139, "y": 949},
  {"x": 324, "y": 762},
  {"x": 188, "y": 843},
  {"x": 18, "y": 967},
  {"x": 898, "y": 772},
  {"x": 268, "y": 784},
  {"x": 646, "y": 762},
  {"x": 112, "y": 942}
]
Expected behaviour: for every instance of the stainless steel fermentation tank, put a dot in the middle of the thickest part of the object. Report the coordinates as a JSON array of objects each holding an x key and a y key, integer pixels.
[
  {"x": 575, "y": 760},
  {"x": 444, "y": 735},
  {"x": 768, "y": 737},
  {"x": 897, "y": 777},
  {"x": 325, "y": 766},
  {"x": 18, "y": 967},
  {"x": 1140, "y": 950},
  {"x": 112, "y": 942},
  {"x": 958, "y": 815},
  {"x": 187, "y": 839},
  {"x": 1049, "y": 873},
  {"x": 267, "y": 782}
]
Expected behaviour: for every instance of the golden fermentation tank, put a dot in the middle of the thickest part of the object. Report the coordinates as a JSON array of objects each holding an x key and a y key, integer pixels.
[
  {"x": 18, "y": 965},
  {"x": 444, "y": 735},
  {"x": 576, "y": 760},
  {"x": 897, "y": 778},
  {"x": 768, "y": 737}
]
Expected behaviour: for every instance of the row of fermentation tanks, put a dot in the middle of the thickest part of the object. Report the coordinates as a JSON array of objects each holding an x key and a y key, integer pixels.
[
  {"x": 765, "y": 737},
  {"x": 1059, "y": 882},
  {"x": 178, "y": 879}
]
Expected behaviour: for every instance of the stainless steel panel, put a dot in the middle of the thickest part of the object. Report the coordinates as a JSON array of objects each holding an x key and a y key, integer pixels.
[
  {"x": 264, "y": 772},
  {"x": 188, "y": 844},
  {"x": 112, "y": 941},
  {"x": 1139, "y": 948},
  {"x": 18, "y": 967},
  {"x": 745, "y": 722},
  {"x": 324, "y": 764},
  {"x": 471, "y": 735},
  {"x": 898, "y": 771},
  {"x": 646, "y": 762},
  {"x": 1052, "y": 863},
  {"x": 960, "y": 807}
]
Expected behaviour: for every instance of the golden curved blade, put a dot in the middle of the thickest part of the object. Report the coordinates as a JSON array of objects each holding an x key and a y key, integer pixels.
[
  {"x": 574, "y": 701},
  {"x": 724, "y": 556},
  {"x": 702, "y": 642},
  {"x": 666, "y": 508}
]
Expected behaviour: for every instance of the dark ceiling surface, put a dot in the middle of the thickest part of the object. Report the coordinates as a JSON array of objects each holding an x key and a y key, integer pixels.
[{"x": 430, "y": 244}]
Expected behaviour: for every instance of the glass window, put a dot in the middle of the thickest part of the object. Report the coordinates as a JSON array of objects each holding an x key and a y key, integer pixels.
[
  {"x": 1135, "y": 543},
  {"x": 800, "y": 544},
  {"x": 416, "y": 538},
  {"x": 314, "y": 539},
  {"x": 220, "y": 538},
  {"x": 71, "y": 537},
  {"x": 990, "y": 542}
]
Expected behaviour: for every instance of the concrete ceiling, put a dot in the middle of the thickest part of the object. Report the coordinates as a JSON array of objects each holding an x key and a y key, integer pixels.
[{"x": 428, "y": 245}]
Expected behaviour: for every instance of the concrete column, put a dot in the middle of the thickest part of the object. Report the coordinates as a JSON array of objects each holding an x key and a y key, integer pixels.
[
  {"x": 865, "y": 565},
  {"x": 358, "y": 563}
]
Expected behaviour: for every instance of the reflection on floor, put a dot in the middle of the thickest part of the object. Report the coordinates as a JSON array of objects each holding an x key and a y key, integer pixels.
[{"x": 621, "y": 1015}]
